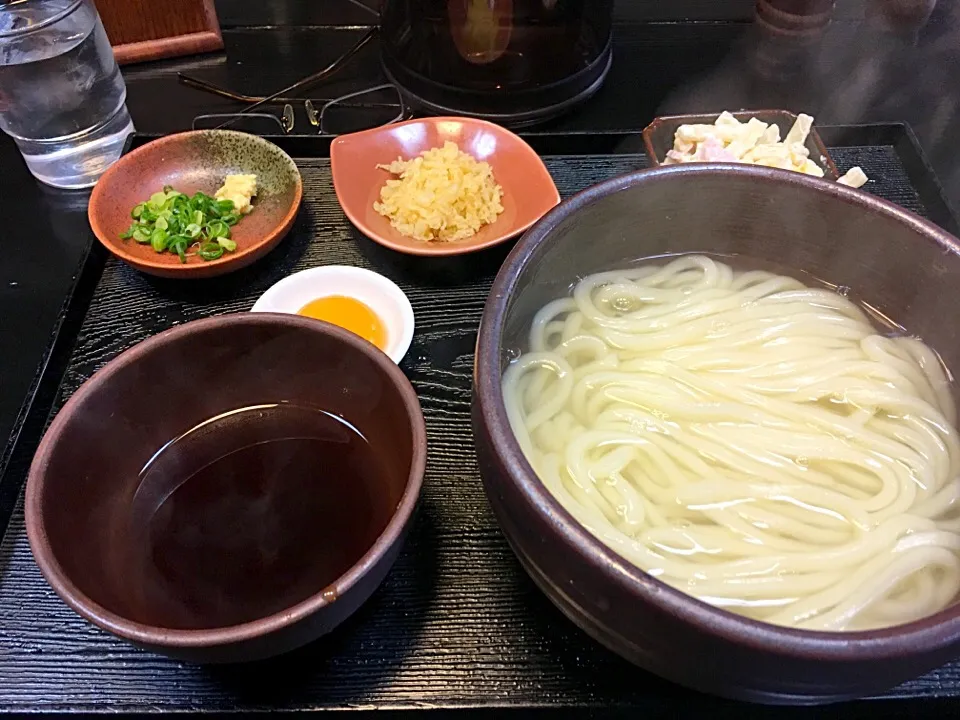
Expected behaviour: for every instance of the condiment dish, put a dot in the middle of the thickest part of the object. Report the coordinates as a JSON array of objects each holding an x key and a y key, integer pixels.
[
  {"x": 193, "y": 161},
  {"x": 528, "y": 189},
  {"x": 658, "y": 135},
  {"x": 377, "y": 292}
]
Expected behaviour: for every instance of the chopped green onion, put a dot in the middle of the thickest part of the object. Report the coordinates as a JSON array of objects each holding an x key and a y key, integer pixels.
[
  {"x": 186, "y": 225},
  {"x": 158, "y": 239},
  {"x": 178, "y": 244},
  {"x": 210, "y": 251},
  {"x": 217, "y": 229},
  {"x": 200, "y": 201}
]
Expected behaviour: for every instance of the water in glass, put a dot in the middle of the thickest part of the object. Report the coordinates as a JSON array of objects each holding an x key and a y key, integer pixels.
[{"x": 62, "y": 97}]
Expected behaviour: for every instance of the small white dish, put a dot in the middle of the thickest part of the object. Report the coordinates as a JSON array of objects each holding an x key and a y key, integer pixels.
[{"x": 372, "y": 289}]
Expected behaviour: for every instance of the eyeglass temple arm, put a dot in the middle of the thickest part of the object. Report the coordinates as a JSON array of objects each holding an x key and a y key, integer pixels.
[
  {"x": 301, "y": 84},
  {"x": 387, "y": 86}
]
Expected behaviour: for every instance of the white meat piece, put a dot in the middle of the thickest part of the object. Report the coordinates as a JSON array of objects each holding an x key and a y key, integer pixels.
[{"x": 854, "y": 177}]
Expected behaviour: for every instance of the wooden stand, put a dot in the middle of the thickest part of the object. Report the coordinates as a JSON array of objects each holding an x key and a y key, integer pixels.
[{"x": 144, "y": 30}]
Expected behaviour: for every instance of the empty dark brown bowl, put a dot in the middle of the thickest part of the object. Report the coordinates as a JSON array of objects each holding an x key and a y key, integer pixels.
[
  {"x": 905, "y": 266},
  {"x": 198, "y": 160},
  {"x": 80, "y": 497},
  {"x": 658, "y": 135}
]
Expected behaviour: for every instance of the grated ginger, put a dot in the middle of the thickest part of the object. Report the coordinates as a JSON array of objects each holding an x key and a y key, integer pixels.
[
  {"x": 240, "y": 189},
  {"x": 442, "y": 195}
]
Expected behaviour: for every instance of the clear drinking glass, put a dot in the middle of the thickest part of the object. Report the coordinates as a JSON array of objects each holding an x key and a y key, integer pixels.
[{"x": 62, "y": 97}]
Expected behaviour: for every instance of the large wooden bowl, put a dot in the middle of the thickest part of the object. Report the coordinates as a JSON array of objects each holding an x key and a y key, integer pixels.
[
  {"x": 906, "y": 267},
  {"x": 81, "y": 492}
]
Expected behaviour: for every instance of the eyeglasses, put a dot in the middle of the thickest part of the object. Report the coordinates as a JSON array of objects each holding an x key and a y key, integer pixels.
[{"x": 355, "y": 111}]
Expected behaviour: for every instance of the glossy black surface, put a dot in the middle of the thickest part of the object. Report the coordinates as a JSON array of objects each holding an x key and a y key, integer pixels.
[
  {"x": 670, "y": 57},
  {"x": 683, "y": 56},
  {"x": 687, "y": 55},
  {"x": 457, "y": 622},
  {"x": 44, "y": 239},
  {"x": 516, "y": 61}
]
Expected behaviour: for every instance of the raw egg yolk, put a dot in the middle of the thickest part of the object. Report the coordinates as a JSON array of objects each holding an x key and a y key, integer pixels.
[{"x": 349, "y": 314}]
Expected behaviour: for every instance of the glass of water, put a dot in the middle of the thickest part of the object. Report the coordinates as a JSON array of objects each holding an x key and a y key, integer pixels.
[{"x": 62, "y": 97}]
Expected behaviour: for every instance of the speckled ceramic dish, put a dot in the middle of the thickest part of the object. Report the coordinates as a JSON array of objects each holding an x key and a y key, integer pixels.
[{"x": 192, "y": 161}]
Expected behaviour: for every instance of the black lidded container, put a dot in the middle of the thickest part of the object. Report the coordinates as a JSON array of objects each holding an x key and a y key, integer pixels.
[{"x": 516, "y": 62}]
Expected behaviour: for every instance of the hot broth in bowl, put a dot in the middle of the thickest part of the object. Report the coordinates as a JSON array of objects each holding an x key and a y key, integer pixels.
[
  {"x": 251, "y": 512},
  {"x": 229, "y": 489},
  {"x": 751, "y": 440},
  {"x": 715, "y": 420}
]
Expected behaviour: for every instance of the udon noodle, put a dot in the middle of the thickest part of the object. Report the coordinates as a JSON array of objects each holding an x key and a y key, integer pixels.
[{"x": 749, "y": 440}]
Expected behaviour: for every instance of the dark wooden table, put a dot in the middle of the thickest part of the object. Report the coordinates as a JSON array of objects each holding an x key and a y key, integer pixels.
[{"x": 692, "y": 55}]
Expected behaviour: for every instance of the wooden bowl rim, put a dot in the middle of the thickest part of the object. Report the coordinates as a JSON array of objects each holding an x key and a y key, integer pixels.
[
  {"x": 925, "y": 635},
  {"x": 149, "y": 635}
]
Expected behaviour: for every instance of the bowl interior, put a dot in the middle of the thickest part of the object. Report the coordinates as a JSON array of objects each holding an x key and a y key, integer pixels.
[
  {"x": 87, "y": 471},
  {"x": 902, "y": 266},
  {"x": 190, "y": 162},
  {"x": 528, "y": 189},
  {"x": 802, "y": 227}
]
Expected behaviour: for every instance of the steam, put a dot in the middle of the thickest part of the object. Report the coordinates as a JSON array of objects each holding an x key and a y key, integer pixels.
[{"x": 900, "y": 62}]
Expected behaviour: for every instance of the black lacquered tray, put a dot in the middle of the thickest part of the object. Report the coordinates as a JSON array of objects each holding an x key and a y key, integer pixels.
[{"x": 457, "y": 627}]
